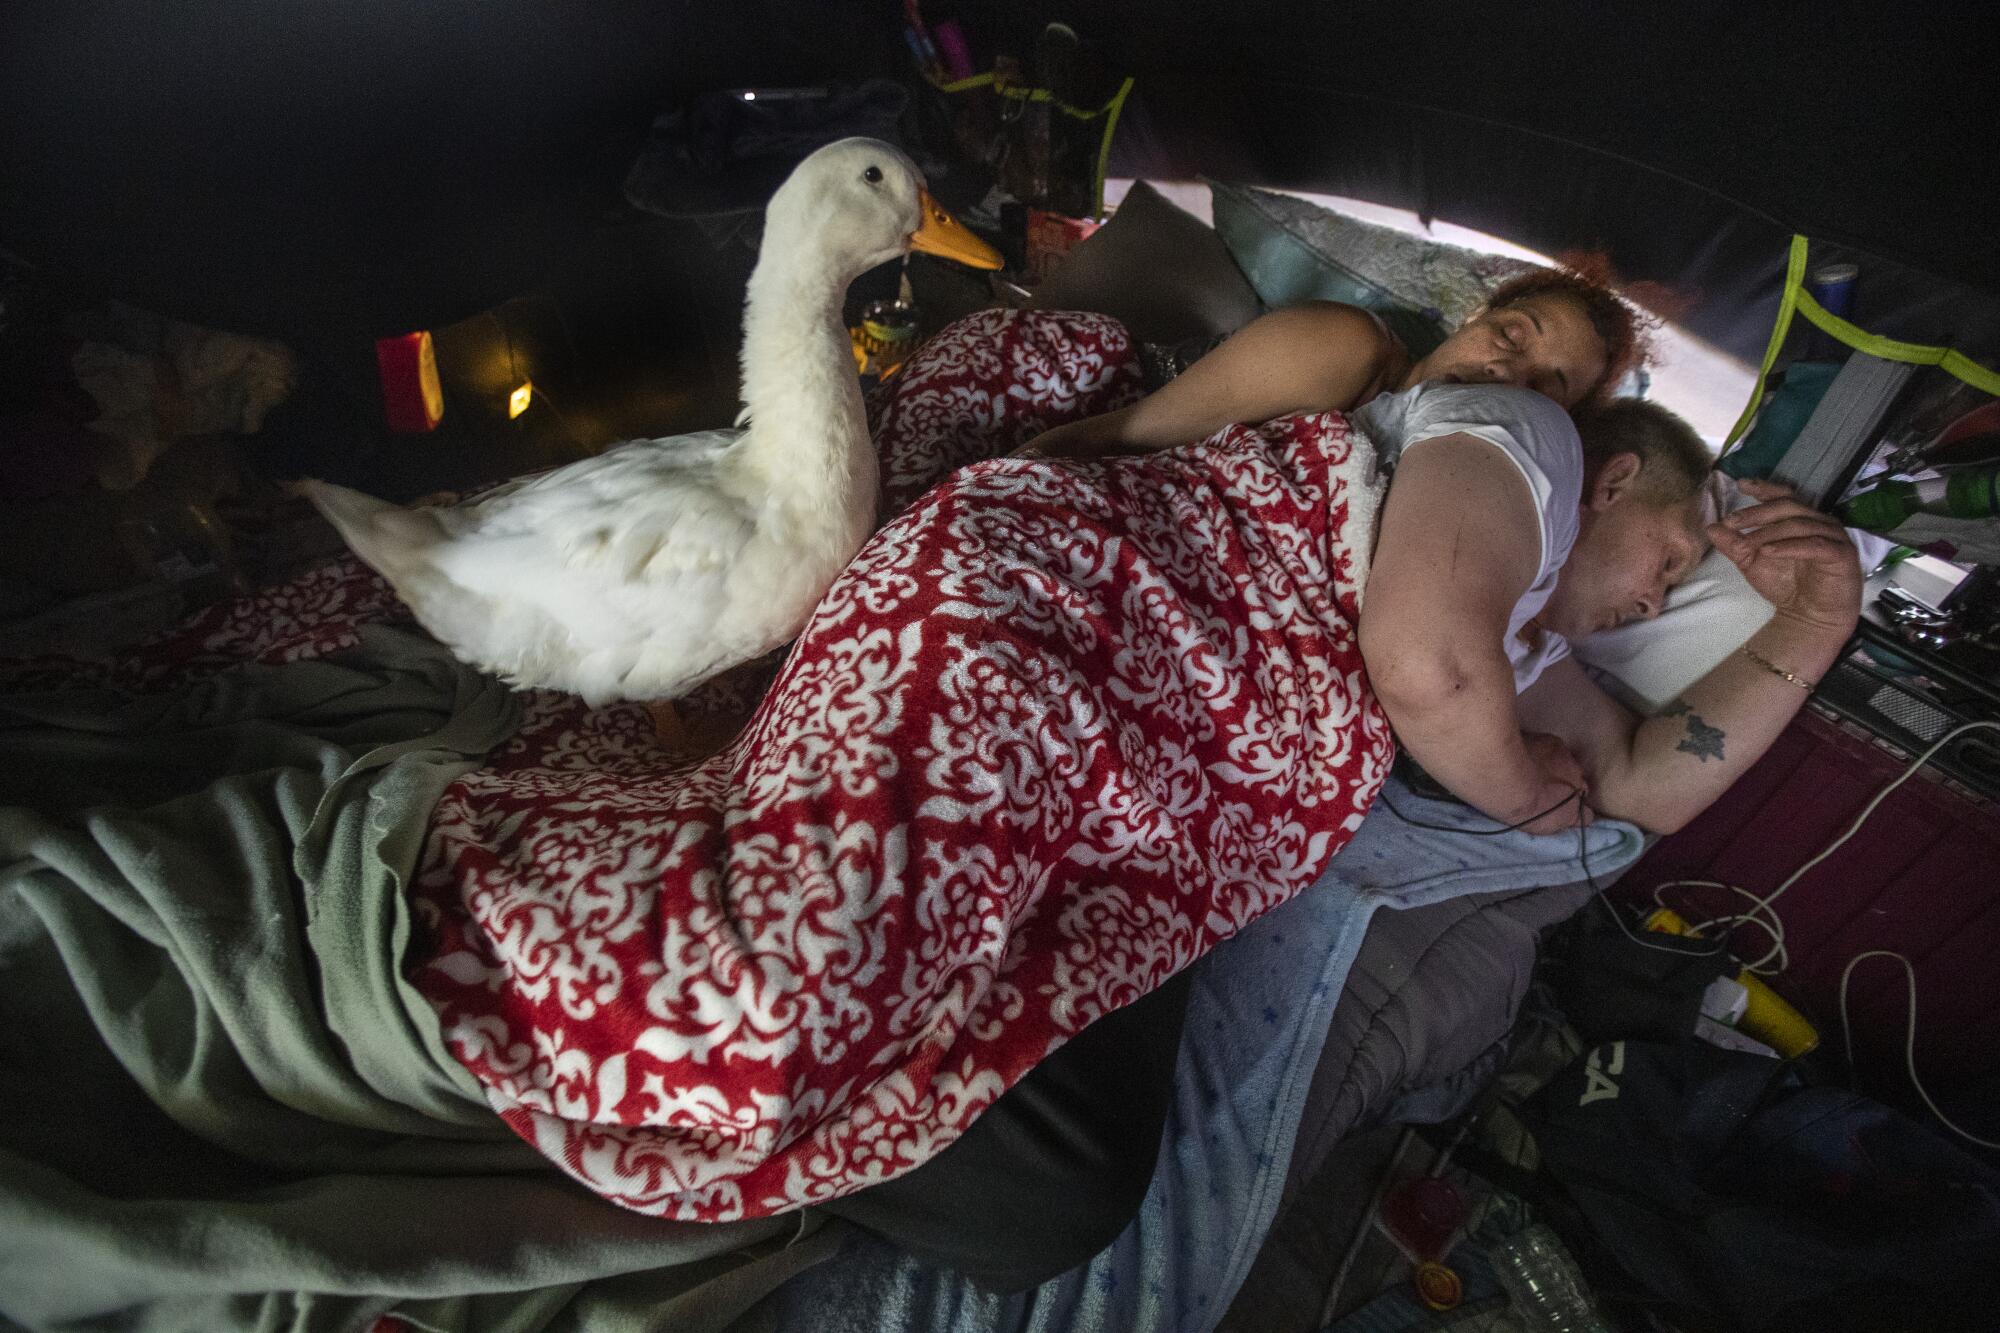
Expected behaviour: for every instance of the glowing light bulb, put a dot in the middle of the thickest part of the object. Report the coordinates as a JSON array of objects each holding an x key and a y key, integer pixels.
[{"x": 517, "y": 401}]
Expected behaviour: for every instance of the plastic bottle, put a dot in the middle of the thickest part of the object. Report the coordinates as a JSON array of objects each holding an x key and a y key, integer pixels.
[
  {"x": 1968, "y": 493},
  {"x": 1536, "y": 1271}
]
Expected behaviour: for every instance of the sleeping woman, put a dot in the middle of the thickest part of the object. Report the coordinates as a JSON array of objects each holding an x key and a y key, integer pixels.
[{"x": 1471, "y": 600}]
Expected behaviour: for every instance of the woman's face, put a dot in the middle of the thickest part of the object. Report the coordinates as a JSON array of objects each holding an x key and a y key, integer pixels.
[{"x": 1543, "y": 342}]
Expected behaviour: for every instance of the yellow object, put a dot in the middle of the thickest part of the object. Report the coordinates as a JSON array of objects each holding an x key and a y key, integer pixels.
[
  {"x": 1772, "y": 1021},
  {"x": 517, "y": 401},
  {"x": 884, "y": 338},
  {"x": 1797, "y": 300},
  {"x": 1023, "y": 93},
  {"x": 1438, "y": 1287},
  {"x": 1666, "y": 921},
  {"x": 1766, "y": 1016}
]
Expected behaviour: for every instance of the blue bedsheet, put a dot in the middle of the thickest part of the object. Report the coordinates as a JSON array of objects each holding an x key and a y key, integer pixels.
[{"x": 1256, "y": 1020}]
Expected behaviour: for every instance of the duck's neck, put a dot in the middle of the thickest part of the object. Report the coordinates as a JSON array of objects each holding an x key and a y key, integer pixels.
[{"x": 807, "y": 444}]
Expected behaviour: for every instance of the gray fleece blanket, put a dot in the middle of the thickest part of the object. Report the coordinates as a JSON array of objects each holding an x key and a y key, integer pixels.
[{"x": 221, "y": 1105}]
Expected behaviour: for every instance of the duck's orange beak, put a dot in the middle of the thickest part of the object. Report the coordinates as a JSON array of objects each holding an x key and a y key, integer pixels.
[{"x": 945, "y": 236}]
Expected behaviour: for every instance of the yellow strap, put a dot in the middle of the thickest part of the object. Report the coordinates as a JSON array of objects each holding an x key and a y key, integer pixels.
[
  {"x": 1888, "y": 349},
  {"x": 1795, "y": 272},
  {"x": 1022, "y": 92},
  {"x": 1113, "y": 107},
  {"x": 962, "y": 85},
  {"x": 1798, "y": 299}
]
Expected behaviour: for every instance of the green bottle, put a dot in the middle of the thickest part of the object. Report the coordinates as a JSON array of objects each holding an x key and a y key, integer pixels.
[{"x": 1970, "y": 493}]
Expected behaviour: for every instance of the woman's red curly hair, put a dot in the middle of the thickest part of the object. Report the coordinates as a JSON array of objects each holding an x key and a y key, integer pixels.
[{"x": 1625, "y": 323}]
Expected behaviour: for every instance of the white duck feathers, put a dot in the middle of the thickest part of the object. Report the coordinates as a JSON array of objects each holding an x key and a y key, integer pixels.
[
  {"x": 636, "y": 574},
  {"x": 642, "y": 572}
]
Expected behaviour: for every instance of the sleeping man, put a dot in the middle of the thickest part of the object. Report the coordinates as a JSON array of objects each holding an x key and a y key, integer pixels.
[{"x": 1510, "y": 531}]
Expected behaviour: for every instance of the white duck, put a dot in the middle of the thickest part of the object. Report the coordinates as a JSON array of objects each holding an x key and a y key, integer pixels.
[{"x": 642, "y": 572}]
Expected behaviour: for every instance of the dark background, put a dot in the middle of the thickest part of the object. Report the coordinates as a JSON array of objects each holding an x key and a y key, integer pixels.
[
  {"x": 330, "y": 173},
  {"x": 387, "y": 164}
]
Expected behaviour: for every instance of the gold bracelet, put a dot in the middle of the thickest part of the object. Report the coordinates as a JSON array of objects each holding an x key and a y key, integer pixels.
[{"x": 1776, "y": 670}]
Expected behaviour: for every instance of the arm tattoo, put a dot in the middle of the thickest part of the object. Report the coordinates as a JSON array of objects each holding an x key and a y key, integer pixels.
[{"x": 1702, "y": 741}]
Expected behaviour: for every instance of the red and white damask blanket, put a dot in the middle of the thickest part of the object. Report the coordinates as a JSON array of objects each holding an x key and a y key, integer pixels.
[{"x": 1056, "y": 732}]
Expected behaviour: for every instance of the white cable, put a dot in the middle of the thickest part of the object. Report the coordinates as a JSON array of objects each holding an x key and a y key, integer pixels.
[
  {"x": 1766, "y": 918},
  {"x": 1909, "y": 1036},
  {"x": 1764, "y": 903},
  {"x": 1770, "y": 923},
  {"x": 1776, "y": 958}
]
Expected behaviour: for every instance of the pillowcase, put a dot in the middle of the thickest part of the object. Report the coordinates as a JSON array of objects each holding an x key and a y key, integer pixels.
[
  {"x": 1294, "y": 250},
  {"x": 1157, "y": 269}
]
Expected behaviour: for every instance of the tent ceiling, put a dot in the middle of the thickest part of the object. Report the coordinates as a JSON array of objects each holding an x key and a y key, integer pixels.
[
  {"x": 336, "y": 160},
  {"x": 1868, "y": 125}
]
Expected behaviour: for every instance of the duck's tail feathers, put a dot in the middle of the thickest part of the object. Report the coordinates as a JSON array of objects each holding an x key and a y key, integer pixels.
[{"x": 394, "y": 541}]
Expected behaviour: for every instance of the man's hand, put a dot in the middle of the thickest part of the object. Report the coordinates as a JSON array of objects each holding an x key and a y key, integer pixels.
[
  {"x": 1797, "y": 558},
  {"x": 1559, "y": 801}
]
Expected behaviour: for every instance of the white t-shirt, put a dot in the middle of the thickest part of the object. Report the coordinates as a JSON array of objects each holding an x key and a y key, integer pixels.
[{"x": 1541, "y": 440}]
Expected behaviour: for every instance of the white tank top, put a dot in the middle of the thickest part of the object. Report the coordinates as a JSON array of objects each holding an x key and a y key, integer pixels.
[{"x": 1541, "y": 440}]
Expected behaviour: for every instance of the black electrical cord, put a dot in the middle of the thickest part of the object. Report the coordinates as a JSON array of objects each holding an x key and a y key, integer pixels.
[{"x": 1583, "y": 859}]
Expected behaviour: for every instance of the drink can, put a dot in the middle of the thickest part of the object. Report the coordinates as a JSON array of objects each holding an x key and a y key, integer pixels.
[{"x": 1832, "y": 285}]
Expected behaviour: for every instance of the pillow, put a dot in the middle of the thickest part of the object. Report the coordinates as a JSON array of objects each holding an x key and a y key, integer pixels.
[
  {"x": 1158, "y": 270},
  {"x": 1650, "y": 663},
  {"x": 1293, "y": 251}
]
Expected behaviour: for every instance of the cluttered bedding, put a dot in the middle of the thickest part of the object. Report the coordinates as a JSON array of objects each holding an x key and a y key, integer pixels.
[
  {"x": 297, "y": 944},
  {"x": 1251, "y": 1081}
]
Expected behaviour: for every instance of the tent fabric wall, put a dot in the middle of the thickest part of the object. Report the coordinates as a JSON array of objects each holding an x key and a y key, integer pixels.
[
  {"x": 1867, "y": 124},
  {"x": 394, "y": 166},
  {"x": 1688, "y": 140},
  {"x": 366, "y": 166}
]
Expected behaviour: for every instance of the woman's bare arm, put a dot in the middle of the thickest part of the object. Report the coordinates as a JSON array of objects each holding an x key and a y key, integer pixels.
[{"x": 1317, "y": 357}]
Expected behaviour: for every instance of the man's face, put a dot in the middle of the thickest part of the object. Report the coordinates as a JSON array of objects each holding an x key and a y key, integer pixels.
[
  {"x": 1544, "y": 343},
  {"x": 1627, "y": 554}
]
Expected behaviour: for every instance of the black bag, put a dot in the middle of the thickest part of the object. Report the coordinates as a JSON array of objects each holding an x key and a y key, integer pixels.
[{"x": 1724, "y": 1186}]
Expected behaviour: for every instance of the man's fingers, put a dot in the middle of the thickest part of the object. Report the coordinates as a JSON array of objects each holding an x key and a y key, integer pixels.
[
  {"x": 1771, "y": 511},
  {"x": 1762, "y": 488},
  {"x": 1805, "y": 548},
  {"x": 1786, "y": 528}
]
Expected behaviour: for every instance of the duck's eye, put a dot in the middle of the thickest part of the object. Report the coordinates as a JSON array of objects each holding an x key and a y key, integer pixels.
[{"x": 873, "y": 175}]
